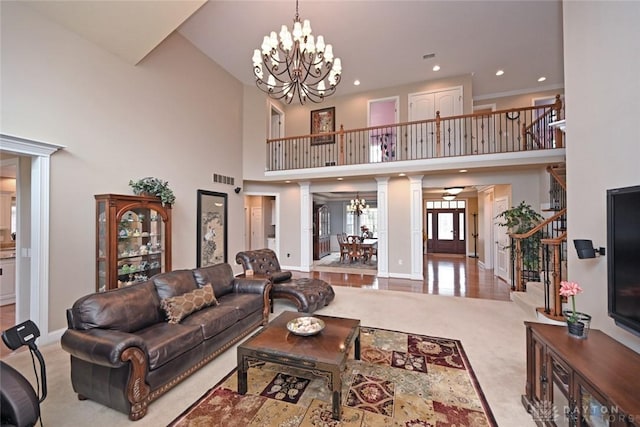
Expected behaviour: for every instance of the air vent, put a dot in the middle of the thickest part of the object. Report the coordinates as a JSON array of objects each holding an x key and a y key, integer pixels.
[
  {"x": 223, "y": 179},
  {"x": 429, "y": 56}
]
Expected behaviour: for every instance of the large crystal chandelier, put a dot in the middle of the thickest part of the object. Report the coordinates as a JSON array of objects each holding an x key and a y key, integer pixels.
[
  {"x": 296, "y": 64},
  {"x": 357, "y": 206}
]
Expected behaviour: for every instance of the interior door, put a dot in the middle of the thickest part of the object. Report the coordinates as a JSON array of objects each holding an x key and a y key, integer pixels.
[
  {"x": 257, "y": 228},
  {"x": 447, "y": 232},
  {"x": 503, "y": 266},
  {"x": 424, "y": 105}
]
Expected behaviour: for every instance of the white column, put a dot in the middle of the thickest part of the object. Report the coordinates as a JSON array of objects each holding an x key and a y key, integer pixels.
[
  {"x": 306, "y": 227},
  {"x": 415, "y": 203},
  {"x": 383, "y": 226}
]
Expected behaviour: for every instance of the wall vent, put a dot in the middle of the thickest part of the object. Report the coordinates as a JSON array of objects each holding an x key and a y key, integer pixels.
[{"x": 223, "y": 179}]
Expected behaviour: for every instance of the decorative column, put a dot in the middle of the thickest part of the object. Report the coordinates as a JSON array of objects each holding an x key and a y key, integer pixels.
[
  {"x": 415, "y": 203},
  {"x": 383, "y": 227},
  {"x": 306, "y": 227}
]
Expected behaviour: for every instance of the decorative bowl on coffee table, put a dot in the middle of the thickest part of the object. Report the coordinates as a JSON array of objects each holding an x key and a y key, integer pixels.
[{"x": 305, "y": 326}]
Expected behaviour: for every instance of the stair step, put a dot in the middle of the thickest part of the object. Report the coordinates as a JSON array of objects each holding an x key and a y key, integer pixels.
[{"x": 532, "y": 303}]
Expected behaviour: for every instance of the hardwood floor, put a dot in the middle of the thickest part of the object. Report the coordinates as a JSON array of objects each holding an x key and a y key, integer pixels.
[{"x": 452, "y": 275}]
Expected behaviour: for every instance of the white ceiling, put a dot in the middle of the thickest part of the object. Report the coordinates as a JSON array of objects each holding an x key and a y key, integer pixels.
[{"x": 381, "y": 43}]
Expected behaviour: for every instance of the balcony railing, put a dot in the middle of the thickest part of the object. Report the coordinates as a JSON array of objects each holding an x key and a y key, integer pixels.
[{"x": 504, "y": 131}]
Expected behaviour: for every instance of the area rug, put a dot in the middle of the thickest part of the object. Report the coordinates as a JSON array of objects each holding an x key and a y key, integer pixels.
[
  {"x": 402, "y": 379},
  {"x": 333, "y": 264}
]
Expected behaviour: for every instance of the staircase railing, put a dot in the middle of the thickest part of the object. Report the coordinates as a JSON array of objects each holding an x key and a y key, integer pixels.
[
  {"x": 553, "y": 253},
  {"x": 503, "y": 131},
  {"x": 527, "y": 249},
  {"x": 538, "y": 133}
]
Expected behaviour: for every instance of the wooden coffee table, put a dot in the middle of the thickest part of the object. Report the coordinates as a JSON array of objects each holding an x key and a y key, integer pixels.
[{"x": 324, "y": 354}]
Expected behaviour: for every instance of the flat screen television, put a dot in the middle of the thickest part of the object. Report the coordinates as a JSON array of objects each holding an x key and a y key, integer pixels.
[{"x": 623, "y": 256}]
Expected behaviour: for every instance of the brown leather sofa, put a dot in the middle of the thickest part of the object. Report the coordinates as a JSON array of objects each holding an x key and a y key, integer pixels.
[
  {"x": 124, "y": 352},
  {"x": 308, "y": 294}
]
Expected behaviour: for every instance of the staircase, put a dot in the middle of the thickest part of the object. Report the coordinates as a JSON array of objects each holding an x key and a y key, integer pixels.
[
  {"x": 540, "y": 299},
  {"x": 529, "y": 302}
]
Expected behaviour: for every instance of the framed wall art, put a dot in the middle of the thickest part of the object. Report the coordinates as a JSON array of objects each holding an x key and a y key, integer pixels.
[
  {"x": 212, "y": 228},
  {"x": 323, "y": 121}
]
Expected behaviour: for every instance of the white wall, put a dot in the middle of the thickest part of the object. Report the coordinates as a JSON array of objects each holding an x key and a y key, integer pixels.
[
  {"x": 602, "y": 60},
  {"x": 176, "y": 115}
]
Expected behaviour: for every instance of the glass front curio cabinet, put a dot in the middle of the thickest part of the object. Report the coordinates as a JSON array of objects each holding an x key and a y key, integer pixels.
[{"x": 133, "y": 239}]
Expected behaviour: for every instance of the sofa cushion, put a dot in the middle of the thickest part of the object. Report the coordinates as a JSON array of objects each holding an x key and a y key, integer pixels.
[
  {"x": 214, "y": 320},
  {"x": 166, "y": 341},
  {"x": 174, "y": 283},
  {"x": 126, "y": 309},
  {"x": 180, "y": 306},
  {"x": 244, "y": 304},
  {"x": 219, "y": 275}
]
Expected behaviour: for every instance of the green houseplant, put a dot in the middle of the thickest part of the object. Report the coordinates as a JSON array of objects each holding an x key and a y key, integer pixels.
[
  {"x": 520, "y": 220},
  {"x": 155, "y": 187}
]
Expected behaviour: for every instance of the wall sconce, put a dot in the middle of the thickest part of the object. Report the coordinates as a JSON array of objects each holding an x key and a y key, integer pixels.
[{"x": 585, "y": 249}]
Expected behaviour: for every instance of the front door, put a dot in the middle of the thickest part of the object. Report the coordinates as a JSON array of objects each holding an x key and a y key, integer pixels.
[{"x": 446, "y": 227}]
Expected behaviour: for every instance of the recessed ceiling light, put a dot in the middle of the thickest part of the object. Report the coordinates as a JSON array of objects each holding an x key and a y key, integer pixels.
[
  {"x": 340, "y": 179},
  {"x": 499, "y": 72},
  {"x": 541, "y": 79},
  {"x": 287, "y": 182},
  {"x": 356, "y": 82},
  {"x": 402, "y": 174},
  {"x": 462, "y": 170},
  {"x": 436, "y": 68}
]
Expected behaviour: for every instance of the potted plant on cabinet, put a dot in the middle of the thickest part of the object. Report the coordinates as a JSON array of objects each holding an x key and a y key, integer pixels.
[{"x": 154, "y": 187}]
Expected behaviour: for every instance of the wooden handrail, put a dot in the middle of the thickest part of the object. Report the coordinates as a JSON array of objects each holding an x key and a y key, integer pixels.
[
  {"x": 415, "y": 122},
  {"x": 557, "y": 177},
  {"x": 539, "y": 226},
  {"x": 555, "y": 241}
]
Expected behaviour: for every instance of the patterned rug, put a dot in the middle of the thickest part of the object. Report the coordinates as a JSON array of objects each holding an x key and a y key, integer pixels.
[
  {"x": 333, "y": 264},
  {"x": 402, "y": 379}
]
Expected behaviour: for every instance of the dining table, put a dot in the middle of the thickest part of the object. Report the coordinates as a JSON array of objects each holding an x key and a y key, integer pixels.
[{"x": 367, "y": 248}]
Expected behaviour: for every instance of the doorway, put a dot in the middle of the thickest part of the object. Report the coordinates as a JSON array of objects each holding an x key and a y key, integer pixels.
[
  {"x": 446, "y": 231},
  {"x": 382, "y": 141},
  {"x": 503, "y": 265},
  {"x": 32, "y": 255}
]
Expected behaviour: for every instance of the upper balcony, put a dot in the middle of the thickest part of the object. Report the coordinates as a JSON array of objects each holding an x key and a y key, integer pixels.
[{"x": 505, "y": 138}]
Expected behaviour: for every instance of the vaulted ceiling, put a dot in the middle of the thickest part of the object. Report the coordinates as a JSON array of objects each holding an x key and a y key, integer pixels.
[{"x": 381, "y": 43}]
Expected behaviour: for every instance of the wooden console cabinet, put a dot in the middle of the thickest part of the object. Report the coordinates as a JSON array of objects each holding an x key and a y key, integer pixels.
[{"x": 580, "y": 382}]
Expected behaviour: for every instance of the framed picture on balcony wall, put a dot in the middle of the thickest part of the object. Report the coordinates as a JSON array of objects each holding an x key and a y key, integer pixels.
[
  {"x": 212, "y": 228},
  {"x": 323, "y": 121}
]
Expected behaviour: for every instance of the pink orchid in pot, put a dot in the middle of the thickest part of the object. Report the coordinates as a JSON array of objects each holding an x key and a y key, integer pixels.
[{"x": 577, "y": 322}]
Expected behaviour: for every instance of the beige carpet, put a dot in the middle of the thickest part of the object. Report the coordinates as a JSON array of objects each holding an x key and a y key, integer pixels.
[{"x": 492, "y": 333}]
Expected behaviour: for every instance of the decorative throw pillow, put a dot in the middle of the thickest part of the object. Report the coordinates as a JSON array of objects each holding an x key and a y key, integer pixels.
[{"x": 180, "y": 306}]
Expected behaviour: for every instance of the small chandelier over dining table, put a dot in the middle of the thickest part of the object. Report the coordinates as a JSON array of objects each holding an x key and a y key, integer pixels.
[
  {"x": 357, "y": 206},
  {"x": 296, "y": 64}
]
